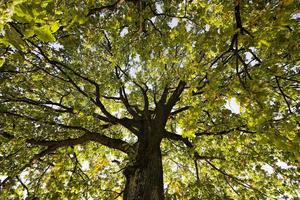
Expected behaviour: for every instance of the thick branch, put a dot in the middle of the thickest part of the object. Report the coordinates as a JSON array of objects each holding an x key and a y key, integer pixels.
[
  {"x": 126, "y": 103},
  {"x": 164, "y": 95},
  {"x": 99, "y": 103},
  {"x": 143, "y": 90},
  {"x": 90, "y": 136},
  {"x": 180, "y": 110},
  {"x": 238, "y": 19},
  {"x": 175, "y": 97},
  {"x": 124, "y": 98}
]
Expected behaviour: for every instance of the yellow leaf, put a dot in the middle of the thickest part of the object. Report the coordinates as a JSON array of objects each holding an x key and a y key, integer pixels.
[
  {"x": 2, "y": 61},
  {"x": 263, "y": 42}
]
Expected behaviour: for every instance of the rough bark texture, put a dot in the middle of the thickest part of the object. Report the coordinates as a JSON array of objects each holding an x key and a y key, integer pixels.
[{"x": 144, "y": 179}]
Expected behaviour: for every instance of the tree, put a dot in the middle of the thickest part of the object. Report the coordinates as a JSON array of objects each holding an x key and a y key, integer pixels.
[{"x": 149, "y": 99}]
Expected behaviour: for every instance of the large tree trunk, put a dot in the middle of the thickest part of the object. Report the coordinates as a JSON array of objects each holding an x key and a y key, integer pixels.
[{"x": 144, "y": 179}]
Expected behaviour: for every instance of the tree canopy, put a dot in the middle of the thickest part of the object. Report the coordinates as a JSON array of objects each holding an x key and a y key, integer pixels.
[{"x": 90, "y": 89}]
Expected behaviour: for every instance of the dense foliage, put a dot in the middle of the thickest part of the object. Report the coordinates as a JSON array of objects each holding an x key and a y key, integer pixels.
[{"x": 77, "y": 79}]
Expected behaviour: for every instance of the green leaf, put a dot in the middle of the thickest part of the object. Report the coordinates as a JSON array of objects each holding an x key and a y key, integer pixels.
[
  {"x": 29, "y": 32},
  {"x": 23, "y": 13},
  {"x": 68, "y": 107},
  {"x": 44, "y": 33},
  {"x": 37, "y": 77},
  {"x": 54, "y": 26}
]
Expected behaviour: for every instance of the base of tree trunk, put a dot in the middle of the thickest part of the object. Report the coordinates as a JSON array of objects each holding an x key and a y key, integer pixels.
[{"x": 144, "y": 180}]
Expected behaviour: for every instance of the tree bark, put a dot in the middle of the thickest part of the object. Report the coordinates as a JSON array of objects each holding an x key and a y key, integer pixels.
[{"x": 144, "y": 179}]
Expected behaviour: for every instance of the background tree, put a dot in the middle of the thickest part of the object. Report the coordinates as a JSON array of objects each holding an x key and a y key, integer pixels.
[{"x": 143, "y": 99}]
